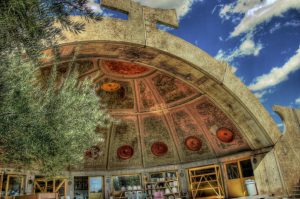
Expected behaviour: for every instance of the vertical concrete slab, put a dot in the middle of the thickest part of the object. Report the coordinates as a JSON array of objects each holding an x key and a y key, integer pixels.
[
  {"x": 287, "y": 149},
  {"x": 261, "y": 178},
  {"x": 267, "y": 175}
]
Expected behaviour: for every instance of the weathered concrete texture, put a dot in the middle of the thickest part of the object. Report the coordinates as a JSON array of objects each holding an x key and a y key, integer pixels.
[
  {"x": 250, "y": 126},
  {"x": 234, "y": 85},
  {"x": 138, "y": 40},
  {"x": 287, "y": 150},
  {"x": 267, "y": 175},
  {"x": 256, "y": 136},
  {"x": 123, "y": 134}
]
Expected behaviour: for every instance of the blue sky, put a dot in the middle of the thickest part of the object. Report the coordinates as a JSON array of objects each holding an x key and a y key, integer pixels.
[{"x": 259, "y": 38}]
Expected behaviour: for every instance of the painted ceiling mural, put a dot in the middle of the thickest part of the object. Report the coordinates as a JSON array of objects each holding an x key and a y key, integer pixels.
[{"x": 161, "y": 119}]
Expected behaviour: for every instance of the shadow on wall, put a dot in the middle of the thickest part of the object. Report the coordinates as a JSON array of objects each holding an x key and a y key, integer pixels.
[{"x": 277, "y": 172}]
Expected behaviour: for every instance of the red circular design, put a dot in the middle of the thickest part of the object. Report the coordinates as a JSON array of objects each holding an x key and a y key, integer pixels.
[
  {"x": 159, "y": 148},
  {"x": 110, "y": 86},
  {"x": 225, "y": 135},
  {"x": 92, "y": 152},
  {"x": 125, "y": 68},
  {"x": 193, "y": 143},
  {"x": 125, "y": 152}
]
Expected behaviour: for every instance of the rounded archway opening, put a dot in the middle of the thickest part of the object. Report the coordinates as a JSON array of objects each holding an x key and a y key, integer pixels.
[{"x": 165, "y": 118}]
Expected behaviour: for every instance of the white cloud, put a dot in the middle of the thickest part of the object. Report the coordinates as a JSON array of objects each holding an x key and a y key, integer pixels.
[
  {"x": 277, "y": 74},
  {"x": 293, "y": 23},
  {"x": 261, "y": 94},
  {"x": 247, "y": 48},
  {"x": 164, "y": 27},
  {"x": 94, "y": 6},
  {"x": 233, "y": 69},
  {"x": 256, "y": 12},
  {"x": 297, "y": 101},
  {"x": 241, "y": 6},
  {"x": 182, "y": 6},
  {"x": 276, "y": 27},
  {"x": 280, "y": 125}
]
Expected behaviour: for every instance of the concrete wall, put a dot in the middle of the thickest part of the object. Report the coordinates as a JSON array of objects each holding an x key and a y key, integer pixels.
[
  {"x": 267, "y": 175},
  {"x": 138, "y": 40},
  {"x": 287, "y": 149},
  {"x": 278, "y": 171},
  {"x": 28, "y": 175}
]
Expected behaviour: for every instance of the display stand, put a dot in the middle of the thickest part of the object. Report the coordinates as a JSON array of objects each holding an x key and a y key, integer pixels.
[
  {"x": 134, "y": 194},
  {"x": 127, "y": 186},
  {"x": 51, "y": 185},
  {"x": 162, "y": 185},
  {"x": 206, "y": 182}
]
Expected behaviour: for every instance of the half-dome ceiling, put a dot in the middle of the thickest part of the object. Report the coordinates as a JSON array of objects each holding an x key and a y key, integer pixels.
[{"x": 163, "y": 120}]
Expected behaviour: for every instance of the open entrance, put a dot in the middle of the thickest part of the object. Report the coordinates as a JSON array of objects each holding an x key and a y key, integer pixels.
[
  {"x": 11, "y": 185},
  {"x": 237, "y": 172},
  {"x": 53, "y": 186},
  {"x": 81, "y": 185},
  {"x": 206, "y": 182},
  {"x": 96, "y": 186},
  {"x": 88, "y": 187}
]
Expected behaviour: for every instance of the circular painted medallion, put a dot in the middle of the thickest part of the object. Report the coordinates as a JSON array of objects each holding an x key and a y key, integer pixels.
[
  {"x": 125, "y": 152},
  {"x": 159, "y": 148},
  {"x": 193, "y": 143},
  {"x": 125, "y": 68},
  {"x": 92, "y": 152},
  {"x": 110, "y": 86},
  {"x": 225, "y": 135}
]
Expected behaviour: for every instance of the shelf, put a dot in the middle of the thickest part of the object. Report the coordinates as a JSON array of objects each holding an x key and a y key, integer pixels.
[
  {"x": 206, "y": 188},
  {"x": 161, "y": 188},
  {"x": 129, "y": 190},
  {"x": 204, "y": 174},
  {"x": 204, "y": 182},
  {"x": 167, "y": 177},
  {"x": 166, "y": 181},
  {"x": 167, "y": 194},
  {"x": 209, "y": 197}
]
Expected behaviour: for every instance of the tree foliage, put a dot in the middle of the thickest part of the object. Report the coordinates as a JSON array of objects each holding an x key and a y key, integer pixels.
[
  {"x": 31, "y": 25},
  {"x": 47, "y": 128},
  {"x": 43, "y": 125}
]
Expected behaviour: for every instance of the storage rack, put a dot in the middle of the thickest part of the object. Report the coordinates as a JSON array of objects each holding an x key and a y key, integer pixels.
[
  {"x": 206, "y": 182},
  {"x": 165, "y": 182}
]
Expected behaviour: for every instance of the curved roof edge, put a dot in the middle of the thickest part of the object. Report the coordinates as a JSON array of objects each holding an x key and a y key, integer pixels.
[{"x": 190, "y": 63}]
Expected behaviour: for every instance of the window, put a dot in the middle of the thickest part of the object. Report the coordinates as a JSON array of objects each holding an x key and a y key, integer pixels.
[
  {"x": 95, "y": 184},
  {"x": 233, "y": 170},
  {"x": 239, "y": 169},
  {"x": 246, "y": 168},
  {"x": 123, "y": 182}
]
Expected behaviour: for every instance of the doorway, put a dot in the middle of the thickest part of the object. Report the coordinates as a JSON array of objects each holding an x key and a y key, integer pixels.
[
  {"x": 81, "y": 185},
  {"x": 236, "y": 173},
  {"x": 96, "y": 186},
  {"x": 53, "y": 185},
  {"x": 11, "y": 185}
]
